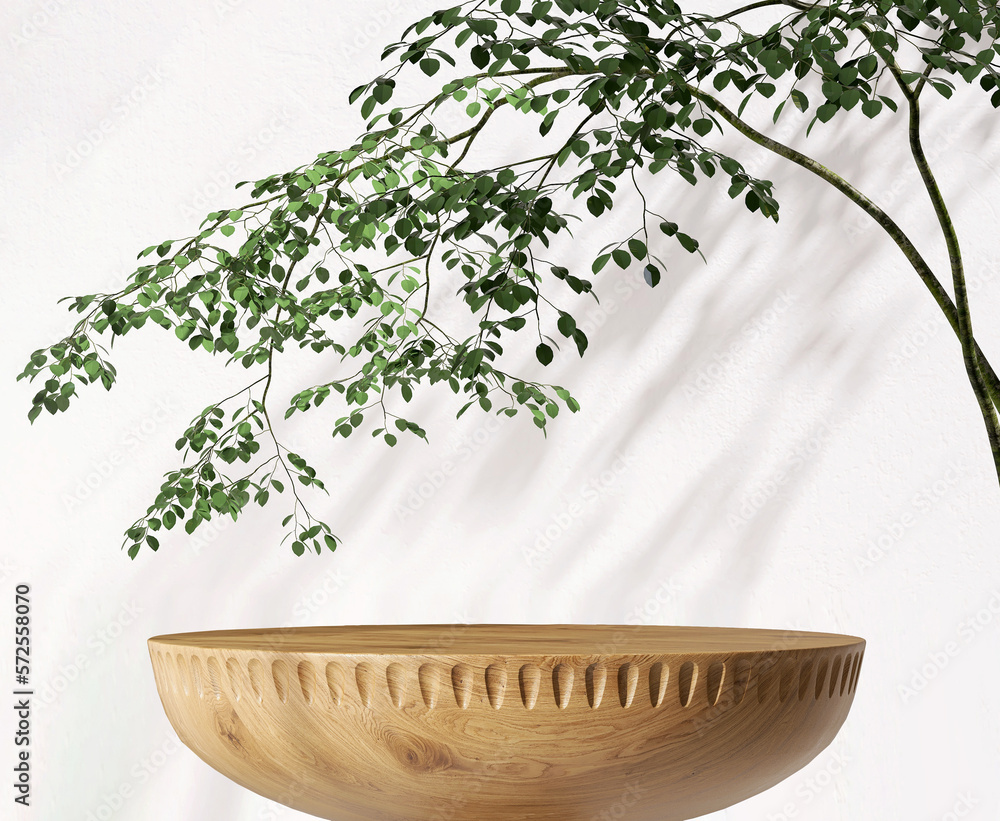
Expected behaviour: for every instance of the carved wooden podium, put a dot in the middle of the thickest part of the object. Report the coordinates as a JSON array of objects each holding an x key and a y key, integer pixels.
[{"x": 541, "y": 722}]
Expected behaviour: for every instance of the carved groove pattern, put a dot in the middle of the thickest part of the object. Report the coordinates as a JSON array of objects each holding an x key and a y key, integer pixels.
[
  {"x": 496, "y": 684},
  {"x": 628, "y": 678},
  {"x": 256, "y": 670},
  {"x": 307, "y": 681},
  {"x": 785, "y": 681},
  {"x": 821, "y": 677},
  {"x": 215, "y": 677},
  {"x": 196, "y": 677},
  {"x": 562, "y": 684},
  {"x": 765, "y": 679},
  {"x": 363, "y": 675},
  {"x": 395, "y": 679},
  {"x": 805, "y": 676},
  {"x": 857, "y": 669},
  {"x": 279, "y": 672},
  {"x": 235, "y": 679},
  {"x": 335, "y": 682},
  {"x": 741, "y": 680},
  {"x": 461, "y": 682},
  {"x": 161, "y": 672},
  {"x": 834, "y": 673},
  {"x": 687, "y": 680},
  {"x": 716, "y": 678},
  {"x": 427, "y": 678},
  {"x": 529, "y": 679},
  {"x": 659, "y": 674},
  {"x": 597, "y": 679},
  {"x": 181, "y": 666}
]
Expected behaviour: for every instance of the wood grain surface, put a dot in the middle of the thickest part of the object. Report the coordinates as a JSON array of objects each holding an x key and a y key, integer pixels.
[{"x": 457, "y": 722}]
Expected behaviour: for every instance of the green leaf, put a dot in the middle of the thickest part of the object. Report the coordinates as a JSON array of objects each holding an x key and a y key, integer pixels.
[
  {"x": 800, "y": 100},
  {"x": 702, "y": 126},
  {"x": 848, "y": 75},
  {"x": 943, "y": 89},
  {"x": 687, "y": 243},
  {"x": 621, "y": 258},
  {"x": 600, "y": 262},
  {"x": 832, "y": 91},
  {"x": 566, "y": 324},
  {"x": 543, "y": 353},
  {"x": 871, "y": 108},
  {"x": 825, "y": 112},
  {"x": 868, "y": 65},
  {"x": 850, "y": 98},
  {"x": 637, "y": 248},
  {"x": 889, "y": 103},
  {"x": 480, "y": 57}
]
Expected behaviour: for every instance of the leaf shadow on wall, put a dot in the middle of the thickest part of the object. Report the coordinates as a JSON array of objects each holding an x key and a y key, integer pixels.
[{"x": 828, "y": 352}]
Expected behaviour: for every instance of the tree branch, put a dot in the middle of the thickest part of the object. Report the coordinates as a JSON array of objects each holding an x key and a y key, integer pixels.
[
  {"x": 969, "y": 348},
  {"x": 904, "y": 243}
]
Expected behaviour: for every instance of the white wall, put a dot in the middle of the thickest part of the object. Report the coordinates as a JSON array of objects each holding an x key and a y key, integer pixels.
[{"x": 805, "y": 348}]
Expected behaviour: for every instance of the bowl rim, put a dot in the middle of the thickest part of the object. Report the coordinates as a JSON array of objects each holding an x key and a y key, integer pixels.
[{"x": 513, "y": 639}]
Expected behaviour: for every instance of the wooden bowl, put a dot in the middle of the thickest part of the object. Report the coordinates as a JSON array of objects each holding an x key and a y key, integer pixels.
[{"x": 469, "y": 721}]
